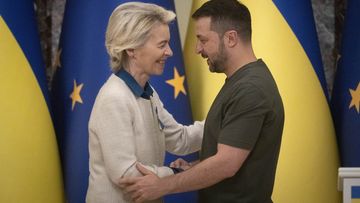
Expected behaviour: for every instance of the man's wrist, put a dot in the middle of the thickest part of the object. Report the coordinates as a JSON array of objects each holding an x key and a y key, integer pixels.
[{"x": 167, "y": 184}]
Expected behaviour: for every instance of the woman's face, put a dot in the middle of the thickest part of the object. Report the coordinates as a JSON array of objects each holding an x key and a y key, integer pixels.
[{"x": 151, "y": 57}]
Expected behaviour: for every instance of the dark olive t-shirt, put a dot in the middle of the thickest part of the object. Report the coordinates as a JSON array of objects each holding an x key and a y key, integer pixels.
[{"x": 247, "y": 113}]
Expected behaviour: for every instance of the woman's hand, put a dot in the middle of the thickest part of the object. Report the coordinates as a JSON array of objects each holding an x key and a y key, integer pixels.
[{"x": 181, "y": 163}]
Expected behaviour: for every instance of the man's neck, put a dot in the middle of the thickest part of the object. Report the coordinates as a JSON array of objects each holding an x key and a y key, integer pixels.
[
  {"x": 238, "y": 63},
  {"x": 238, "y": 57}
]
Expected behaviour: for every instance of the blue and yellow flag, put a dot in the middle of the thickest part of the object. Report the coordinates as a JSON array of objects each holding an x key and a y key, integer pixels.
[
  {"x": 308, "y": 161},
  {"x": 345, "y": 99},
  {"x": 30, "y": 166},
  {"x": 82, "y": 69},
  {"x": 355, "y": 194},
  {"x": 300, "y": 18}
]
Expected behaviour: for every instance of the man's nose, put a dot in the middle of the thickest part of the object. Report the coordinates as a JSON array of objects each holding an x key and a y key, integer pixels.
[{"x": 198, "y": 47}]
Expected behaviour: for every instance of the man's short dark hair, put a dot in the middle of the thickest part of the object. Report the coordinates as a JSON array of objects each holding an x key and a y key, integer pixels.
[{"x": 227, "y": 15}]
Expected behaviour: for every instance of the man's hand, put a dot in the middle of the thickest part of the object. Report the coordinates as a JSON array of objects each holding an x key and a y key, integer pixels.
[
  {"x": 144, "y": 188},
  {"x": 180, "y": 163}
]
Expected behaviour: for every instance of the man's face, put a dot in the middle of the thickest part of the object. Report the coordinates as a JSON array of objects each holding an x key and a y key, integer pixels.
[{"x": 209, "y": 45}]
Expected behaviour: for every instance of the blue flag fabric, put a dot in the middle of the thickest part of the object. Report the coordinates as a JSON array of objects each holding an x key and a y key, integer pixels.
[
  {"x": 299, "y": 16},
  {"x": 345, "y": 100},
  {"x": 83, "y": 68},
  {"x": 355, "y": 192}
]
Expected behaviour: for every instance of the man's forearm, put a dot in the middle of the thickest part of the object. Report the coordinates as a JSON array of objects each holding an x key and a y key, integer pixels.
[
  {"x": 203, "y": 174},
  {"x": 224, "y": 164}
]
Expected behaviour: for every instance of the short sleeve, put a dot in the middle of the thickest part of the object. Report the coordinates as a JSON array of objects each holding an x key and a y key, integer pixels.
[{"x": 243, "y": 117}]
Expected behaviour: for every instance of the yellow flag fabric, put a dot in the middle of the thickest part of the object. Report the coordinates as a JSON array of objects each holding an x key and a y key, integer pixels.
[
  {"x": 29, "y": 161},
  {"x": 308, "y": 161},
  {"x": 203, "y": 86},
  {"x": 355, "y": 200}
]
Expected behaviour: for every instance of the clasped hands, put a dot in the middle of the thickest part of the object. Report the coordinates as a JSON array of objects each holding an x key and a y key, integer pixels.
[{"x": 149, "y": 186}]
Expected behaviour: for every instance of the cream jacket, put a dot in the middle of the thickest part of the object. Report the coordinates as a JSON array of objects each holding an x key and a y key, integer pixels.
[{"x": 125, "y": 129}]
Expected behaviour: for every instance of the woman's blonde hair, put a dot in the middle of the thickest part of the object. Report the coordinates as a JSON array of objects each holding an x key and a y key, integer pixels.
[{"x": 129, "y": 28}]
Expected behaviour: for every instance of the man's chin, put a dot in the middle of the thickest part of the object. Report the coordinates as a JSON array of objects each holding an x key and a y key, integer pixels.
[{"x": 211, "y": 69}]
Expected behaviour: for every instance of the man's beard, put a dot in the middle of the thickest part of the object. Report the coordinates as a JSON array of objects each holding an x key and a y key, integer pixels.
[{"x": 218, "y": 64}]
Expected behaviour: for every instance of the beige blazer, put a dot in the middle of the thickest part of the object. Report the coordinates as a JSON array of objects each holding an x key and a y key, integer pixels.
[{"x": 125, "y": 129}]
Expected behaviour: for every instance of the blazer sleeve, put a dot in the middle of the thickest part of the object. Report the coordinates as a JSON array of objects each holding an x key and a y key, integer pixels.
[{"x": 179, "y": 139}]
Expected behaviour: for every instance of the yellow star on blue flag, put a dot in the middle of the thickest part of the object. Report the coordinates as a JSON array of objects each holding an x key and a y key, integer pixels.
[
  {"x": 75, "y": 94},
  {"x": 355, "y": 101},
  {"x": 178, "y": 83}
]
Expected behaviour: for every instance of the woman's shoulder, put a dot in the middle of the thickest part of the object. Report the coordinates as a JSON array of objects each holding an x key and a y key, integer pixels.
[{"x": 114, "y": 89}]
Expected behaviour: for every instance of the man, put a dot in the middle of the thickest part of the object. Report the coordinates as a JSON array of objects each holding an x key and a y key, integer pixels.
[{"x": 243, "y": 128}]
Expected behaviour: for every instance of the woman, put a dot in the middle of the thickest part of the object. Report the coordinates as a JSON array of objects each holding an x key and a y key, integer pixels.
[{"x": 128, "y": 122}]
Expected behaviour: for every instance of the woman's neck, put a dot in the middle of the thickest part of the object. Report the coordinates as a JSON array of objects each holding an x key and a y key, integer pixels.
[{"x": 140, "y": 77}]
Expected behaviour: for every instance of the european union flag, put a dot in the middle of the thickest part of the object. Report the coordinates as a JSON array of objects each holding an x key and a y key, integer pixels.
[
  {"x": 345, "y": 101},
  {"x": 83, "y": 68},
  {"x": 30, "y": 166}
]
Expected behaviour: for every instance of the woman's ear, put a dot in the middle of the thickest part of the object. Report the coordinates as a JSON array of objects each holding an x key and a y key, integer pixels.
[{"x": 130, "y": 52}]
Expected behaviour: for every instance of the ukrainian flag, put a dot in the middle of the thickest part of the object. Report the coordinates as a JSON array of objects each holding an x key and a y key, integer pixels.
[
  {"x": 30, "y": 166},
  {"x": 308, "y": 162},
  {"x": 355, "y": 194}
]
